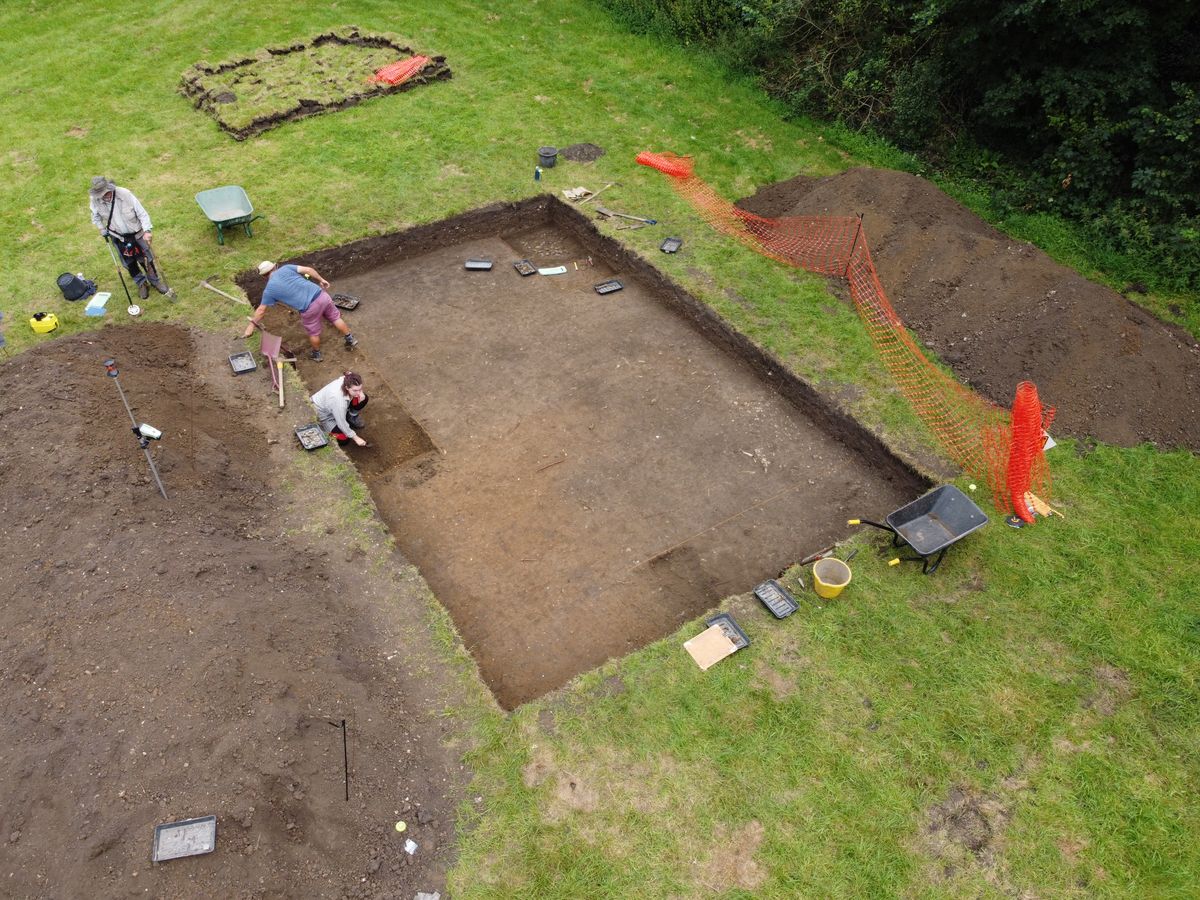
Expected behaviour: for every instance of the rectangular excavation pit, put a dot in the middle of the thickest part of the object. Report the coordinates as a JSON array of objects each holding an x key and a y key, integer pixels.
[{"x": 589, "y": 471}]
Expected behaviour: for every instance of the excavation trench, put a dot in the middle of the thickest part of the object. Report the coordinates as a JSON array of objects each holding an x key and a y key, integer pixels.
[{"x": 577, "y": 474}]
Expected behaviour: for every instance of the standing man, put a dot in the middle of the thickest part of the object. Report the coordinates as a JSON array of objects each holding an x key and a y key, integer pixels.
[
  {"x": 123, "y": 220},
  {"x": 293, "y": 286}
]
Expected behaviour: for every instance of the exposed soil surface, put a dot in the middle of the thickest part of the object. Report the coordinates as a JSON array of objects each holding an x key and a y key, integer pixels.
[
  {"x": 581, "y": 152},
  {"x": 1000, "y": 311},
  {"x": 166, "y": 659},
  {"x": 603, "y": 468}
]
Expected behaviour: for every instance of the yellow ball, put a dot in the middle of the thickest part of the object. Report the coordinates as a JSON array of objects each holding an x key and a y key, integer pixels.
[{"x": 400, "y": 826}]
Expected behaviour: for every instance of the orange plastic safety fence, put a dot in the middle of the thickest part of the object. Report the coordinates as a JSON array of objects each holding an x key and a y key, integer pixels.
[
  {"x": 975, "y": 433},
  {"x": 1026, "y": 459},
  {"x": 399, "y": 72}
]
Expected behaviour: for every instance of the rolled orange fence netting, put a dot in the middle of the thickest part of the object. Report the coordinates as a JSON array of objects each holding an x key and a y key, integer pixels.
[
  {"x": 1001, "y": 450},
  {"x": 399, "y": 72}
]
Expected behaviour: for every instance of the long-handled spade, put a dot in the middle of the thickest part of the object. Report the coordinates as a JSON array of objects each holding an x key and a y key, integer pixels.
[{"x": 272, "y": 348}]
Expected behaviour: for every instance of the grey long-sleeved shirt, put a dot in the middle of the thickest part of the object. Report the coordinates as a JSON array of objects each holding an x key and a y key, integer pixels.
[
  {"x": 129, "y": 216},
  {"x": 332, "y": 403}
]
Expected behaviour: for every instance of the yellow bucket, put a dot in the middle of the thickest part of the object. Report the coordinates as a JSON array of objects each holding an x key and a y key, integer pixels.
[{"x": 830, "y": 576}]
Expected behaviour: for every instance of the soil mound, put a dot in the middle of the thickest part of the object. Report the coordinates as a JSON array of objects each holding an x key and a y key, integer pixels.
[
  {"x": 999, "y": 311},
  {"x": 165, "y": 659},
  {"x": 582, "y": 152}
]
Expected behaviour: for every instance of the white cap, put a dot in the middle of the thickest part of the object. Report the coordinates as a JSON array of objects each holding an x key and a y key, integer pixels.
[{"x": 265, "y": 266}]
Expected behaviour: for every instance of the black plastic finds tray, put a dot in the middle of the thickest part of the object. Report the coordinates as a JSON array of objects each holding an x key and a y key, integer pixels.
[
  {"x": 243, "y": 362},
  {"x": 670, "y": 245},
  {"x": 731, "y": 628},
  {"x": 776, "y": 598},
  {"x": 479, "y": 265},
  {"x": 345, "y": 301},
  {"x": 525, "y": 267},
  {"x": 311, "y": 437},
  {"x": 607, "y": 287}
]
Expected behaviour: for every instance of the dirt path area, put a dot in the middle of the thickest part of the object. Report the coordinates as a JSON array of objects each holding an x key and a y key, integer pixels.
[
  {"x": 999, "y": 311},
  {"x": 601, "y": 471},
  {"x": 195, "y": 656}
]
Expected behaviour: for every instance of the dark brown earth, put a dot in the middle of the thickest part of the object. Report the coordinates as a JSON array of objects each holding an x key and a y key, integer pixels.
[
  {"x": 581, "y": 152},
  {"x": 166, "y": 659},
  {"x": 999, "y": 311},
  {"x": 577, "y": 475}
]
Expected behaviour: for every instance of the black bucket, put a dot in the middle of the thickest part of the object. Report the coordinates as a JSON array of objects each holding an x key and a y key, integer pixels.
[
  {"x": 75, "y": 287},
  {"x": 547, "y": 157}
]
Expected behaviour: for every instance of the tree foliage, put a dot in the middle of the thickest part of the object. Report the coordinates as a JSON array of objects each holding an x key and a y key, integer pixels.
[{"x": 1088, "y": 107}]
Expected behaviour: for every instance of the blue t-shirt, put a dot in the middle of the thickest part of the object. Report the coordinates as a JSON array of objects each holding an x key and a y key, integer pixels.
[{"x": 287, "y": 286}]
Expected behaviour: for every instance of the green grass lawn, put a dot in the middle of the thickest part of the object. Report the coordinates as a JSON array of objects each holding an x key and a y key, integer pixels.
[{"x": 1046, "y": 678}]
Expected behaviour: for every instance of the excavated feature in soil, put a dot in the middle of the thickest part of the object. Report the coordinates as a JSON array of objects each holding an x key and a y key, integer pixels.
[
  {"x": 1000, "y": 311},
  {"x": 579, "y": 474}
]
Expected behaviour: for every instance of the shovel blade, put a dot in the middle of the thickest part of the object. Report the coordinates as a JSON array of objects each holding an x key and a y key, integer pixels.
[{"x": 271, "y": 344}]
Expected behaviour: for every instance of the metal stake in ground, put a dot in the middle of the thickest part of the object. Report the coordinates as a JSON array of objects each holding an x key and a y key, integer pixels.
[{"x": 144, "y": 433}]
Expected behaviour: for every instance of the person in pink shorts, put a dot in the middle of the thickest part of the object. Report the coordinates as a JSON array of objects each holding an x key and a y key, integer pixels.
[{"x": 303, "y": 289}]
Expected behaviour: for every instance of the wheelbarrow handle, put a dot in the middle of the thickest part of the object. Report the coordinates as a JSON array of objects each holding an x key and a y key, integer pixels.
[{"x": 887, "y": 528}]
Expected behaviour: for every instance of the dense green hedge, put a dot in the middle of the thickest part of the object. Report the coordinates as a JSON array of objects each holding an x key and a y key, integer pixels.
[{"x": 1087, "y": 107}]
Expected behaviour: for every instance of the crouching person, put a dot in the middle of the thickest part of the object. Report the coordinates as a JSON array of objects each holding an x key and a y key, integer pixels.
[{"x": 338, "y": 406}]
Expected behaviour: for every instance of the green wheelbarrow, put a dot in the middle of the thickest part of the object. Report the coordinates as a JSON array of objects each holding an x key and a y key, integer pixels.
[{"x": 227, "y": 206}]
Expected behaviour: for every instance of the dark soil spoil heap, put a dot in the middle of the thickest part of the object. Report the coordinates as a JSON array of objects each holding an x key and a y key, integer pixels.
[
  {"x": 581, "y": 152},
  {"x": 1000, "y": 311},
  {"x": 166, "y": 659}
]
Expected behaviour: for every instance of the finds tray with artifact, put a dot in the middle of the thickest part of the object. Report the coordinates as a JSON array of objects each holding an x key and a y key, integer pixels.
[{"x": 311, "y": 437}]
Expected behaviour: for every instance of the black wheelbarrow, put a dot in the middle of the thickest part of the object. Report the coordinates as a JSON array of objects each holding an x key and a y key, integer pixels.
[
  {"x": 930, "y": 524},
  {"x": 226, "y": 207}
]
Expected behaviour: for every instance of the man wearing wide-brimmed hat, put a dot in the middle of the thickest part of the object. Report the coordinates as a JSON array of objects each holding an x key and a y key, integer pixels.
[{"x": 123, "y": 220}]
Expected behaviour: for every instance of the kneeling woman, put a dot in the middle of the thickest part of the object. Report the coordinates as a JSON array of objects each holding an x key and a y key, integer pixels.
[{"x": 338, "y": 405}]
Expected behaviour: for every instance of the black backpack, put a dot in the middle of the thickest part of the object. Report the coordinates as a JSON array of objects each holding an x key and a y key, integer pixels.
[{"x": 75, "y": 287}]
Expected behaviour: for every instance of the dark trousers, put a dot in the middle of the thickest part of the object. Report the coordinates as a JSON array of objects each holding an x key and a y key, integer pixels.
[
  {"x": 137, "y": 257},
  {"x": 351, "y": 418}
]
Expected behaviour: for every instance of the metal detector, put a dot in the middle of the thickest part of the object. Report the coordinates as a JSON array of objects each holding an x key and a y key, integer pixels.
[
  {"x": 143, "y": 432},
  {"x": 170, "y": 294},
  {"x": 120, "y": 274}
]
